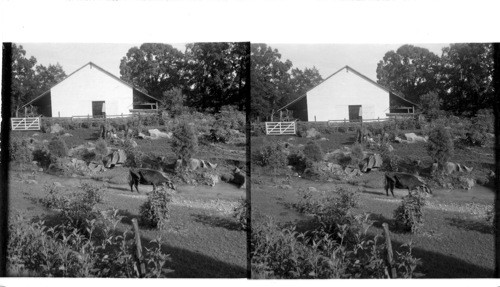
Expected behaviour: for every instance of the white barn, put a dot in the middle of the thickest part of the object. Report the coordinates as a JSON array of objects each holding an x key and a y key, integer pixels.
[
  {"x": 92, "y": 91},
  {"x": 347, "y": 95}
]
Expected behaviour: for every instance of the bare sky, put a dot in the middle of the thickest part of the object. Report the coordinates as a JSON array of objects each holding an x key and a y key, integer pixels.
[
  {"x": 75, "y": 55},
  {"x": 328, "y": 58}
]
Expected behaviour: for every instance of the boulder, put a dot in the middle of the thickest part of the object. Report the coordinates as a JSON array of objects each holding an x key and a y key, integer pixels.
[
  {"x": 56, "y": 128},
  {"x": 133, "y": 143},
  {"x": 378, "y": 161},
  {"x": 122, "y": 156},
  {"x": 312, "y": 189},
  {"x": 194, "y": 164},
  {"x": 398, "y": 139},
  {"x": 67, "y": 135},
  {"x": 285, "y": 186},
  {"x": 31, "y": 182},
  {"x": 212, "y": 179},
  {"x": 312, "y": 133},
  {"x": 141, "y": 136},
  {"x": 467, "y": 183},
  {"x": 156, "y": 134},
  {"x": 412, "y": 137},
  {"x": 35, "y": 135},
  {"x": 450, "y": 167},
  {"x": 57, "y": 184}
]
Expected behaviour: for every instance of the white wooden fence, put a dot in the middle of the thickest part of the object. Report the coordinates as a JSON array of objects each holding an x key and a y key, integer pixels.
[
  {"x": 25, "y": 124},
  {"x": 280, "y": 128}
]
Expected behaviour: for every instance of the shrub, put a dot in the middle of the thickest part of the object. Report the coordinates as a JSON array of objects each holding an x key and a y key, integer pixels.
[
  {"x": 43, "y": 157},
  {"x": 313, "y": 152},
  {"x": 241, "y": 213},
  {"x": 297, "y": 160},
  {"x": 53, "y": 197},
  {"x": 19, "y": 151},
  {"x": 270, "y": 154},
  {"x": 135, "y": 158},
  {"x": 185, "y": 141},
  {"x": 357, "y": 153},
  {"x": 409, "y": 214},
  {"x": 229, "y": 118},
  {"x": 41, "y": 251},
  {"x": 101, "y": 149},
  {"x": 431, "y": 104},
  {"x": 482, "y": 124},
  {"x": 155, "y": 211},
  {"x": 440, "y": 145},
  {"x": 57, "y": 147}
]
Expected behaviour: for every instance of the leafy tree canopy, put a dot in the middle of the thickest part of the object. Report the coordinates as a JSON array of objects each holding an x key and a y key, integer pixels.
[{"x": 410, "y": 70}]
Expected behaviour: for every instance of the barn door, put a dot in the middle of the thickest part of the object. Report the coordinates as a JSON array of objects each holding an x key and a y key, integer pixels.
[
  {"x": 355, "y": 113},
  {"x": 98, "y": 109}
]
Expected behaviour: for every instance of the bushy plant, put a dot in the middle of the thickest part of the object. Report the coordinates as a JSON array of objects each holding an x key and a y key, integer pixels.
[
  {"x": 227, "y": 120},
  {"x": 19, "y": 151},
  {"x": 271, "y": 155},
  {"x": 481, "y": 125},
  {"x": 357, "y": 153},
  {"x": 43, "y": 157},
  {"x": 440, "y": 145},
  {"x": 53, "y": 197},
  {"x": 155, "y": 212},
  {"x": 241, "y": 213},
  {"x": 313, "y": 152},
  {"x": 57, "y": 147},
  {"x": 408, "y": 215},
  {"x": 41, "y": 251},
  {"x": 185, "y": 141},
  {"x": 431, "y": 105},
  {"x": 297, "y": 160},
  {"x": 101, "y": 149}
]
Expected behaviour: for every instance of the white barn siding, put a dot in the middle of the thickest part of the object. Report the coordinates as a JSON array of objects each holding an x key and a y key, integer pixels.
[
  {"x": 74, "y": 96},
  {"x": 331, "y": 99}
]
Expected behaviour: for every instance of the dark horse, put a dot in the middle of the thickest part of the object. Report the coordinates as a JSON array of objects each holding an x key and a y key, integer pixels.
[
  {"x": 148, "y": 176},
  {"x": 404, "y": 180}
]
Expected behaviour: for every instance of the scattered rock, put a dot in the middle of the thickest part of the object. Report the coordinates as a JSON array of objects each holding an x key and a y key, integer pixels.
[
  {"x": 194, "y": 164},
  {"x": 312, "y": 189},
  {"x": 67, "y": 135},
  {"x": 122, "y": 156},
  {"x": 56, "y": 128},
  {"x": 35, "y": 135},
  {"x": 398, "y": 139},
  {"x": 141, "y": 136},
  {"x": 412, "y": 137},
  {"x": 156, "y": 134},
  {"x": 31, "y": 181},
  {"x": 133, "y": 143},
  {"x": 57, "y": 184},
  {"x": 467, "y": 183},
  {"x": 285, "y": 186},
  {"x": 312, "y": 133}
]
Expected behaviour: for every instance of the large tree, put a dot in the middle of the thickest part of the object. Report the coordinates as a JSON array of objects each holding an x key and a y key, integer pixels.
[
  {"x": 410, "y": 70},
  {"x": 154, "y": 68},
  {"x": 466, "y": 78},
  {"x": 30, "y": 80},
  {"x": 270, "y": 80},
  {"x": 216, "y": 75},
  {"x": 302, "y": 81},
  {"x": 46, "y": 77},
  {"x": 23, "y": 78}
]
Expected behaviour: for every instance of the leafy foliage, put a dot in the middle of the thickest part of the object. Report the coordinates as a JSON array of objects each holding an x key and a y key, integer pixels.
[
  {"x": 155, "y": 211},
  {"x": 57, "y": 147},
  {"x": 38, "y": 250},
  {"x": 313, "y": 151},
  {"x": 431, "y": 105},
  {"x": 410, "y": 70},
  {"x": 185, "y": 141},
  {"x": 270, "y": 154},
  {"x": 440, "y": 145},
  {"x": 241, "y": 213},
  {"x": 409, "y": 214},
  {"x": 228, "y": 120},
  {"x": 19, "y": 151},
  {"x": 173, "y": 101}
]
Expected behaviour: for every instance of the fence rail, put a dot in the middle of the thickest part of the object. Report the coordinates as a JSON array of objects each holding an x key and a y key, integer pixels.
[
  {"x": 25, "y": 124},
  {"x": 280, "y": 128}
]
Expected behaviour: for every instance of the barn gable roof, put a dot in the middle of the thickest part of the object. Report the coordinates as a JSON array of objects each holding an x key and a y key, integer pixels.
[
  {"x": 356, "y": 73},
  {"x": 100, "y": 69}
]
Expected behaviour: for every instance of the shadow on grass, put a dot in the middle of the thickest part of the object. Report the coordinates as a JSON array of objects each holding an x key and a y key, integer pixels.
[
  {"x": 472, "y": 225},
  {"x": 217, "y": 221}
]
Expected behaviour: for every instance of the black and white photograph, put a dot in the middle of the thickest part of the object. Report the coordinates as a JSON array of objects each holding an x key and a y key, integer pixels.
[
  {"x": 128, "y": 160},
  {"x": 372, "y": 161},
  {"x": 249, "y": 141}
]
